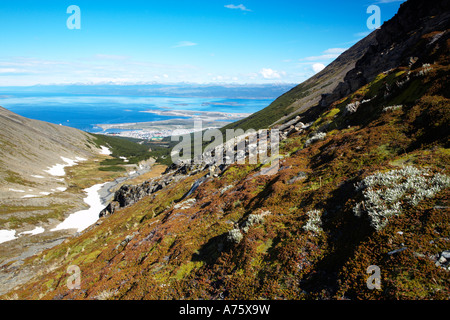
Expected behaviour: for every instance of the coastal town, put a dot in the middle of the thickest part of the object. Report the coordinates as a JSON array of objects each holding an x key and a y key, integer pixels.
[{"x": 186, "y": 122}]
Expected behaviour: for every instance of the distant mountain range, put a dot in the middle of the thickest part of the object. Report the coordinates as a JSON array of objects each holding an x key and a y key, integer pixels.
[
  {"x": 232, "y": 91},
  {"x": 358, "y": 208}
]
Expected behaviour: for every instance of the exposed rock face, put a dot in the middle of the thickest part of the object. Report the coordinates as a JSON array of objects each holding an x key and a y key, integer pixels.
[
  {"x": 443, "y": 260},
  {"x": 399, "y": 42},
  {"x": 308, "y": 94},
  {"x": 128, "y": 195}
]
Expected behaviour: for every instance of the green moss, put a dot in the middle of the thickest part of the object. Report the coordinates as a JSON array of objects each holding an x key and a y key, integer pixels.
[
  {"x": 409, "y": 95},
  {"x": 385, "y": 150},
  {"x": 113, "y": 169},
  {"x": 35, "y": 214},
  {"x": 331, "y": 113},
  {"x": 185, "y": 269},
  {"x": 237, "y": 172},
  {"x": 15, "y": 178},
  {"x": 404, "y": 160},
  {"x": 264, "y": 247},
  {"x": 49, "y": 283},
  {"x": 375, "y": 86},
  {"x": 90, "y": 257}
]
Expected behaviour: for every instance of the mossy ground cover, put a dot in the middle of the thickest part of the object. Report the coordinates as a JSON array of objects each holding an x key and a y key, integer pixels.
[{"x": 154, "y": 251}]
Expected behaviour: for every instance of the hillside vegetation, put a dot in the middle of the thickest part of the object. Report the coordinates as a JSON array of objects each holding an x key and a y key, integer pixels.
[
  {"x": 365, "y": 184},
  {"x": 308, "y": 232}
]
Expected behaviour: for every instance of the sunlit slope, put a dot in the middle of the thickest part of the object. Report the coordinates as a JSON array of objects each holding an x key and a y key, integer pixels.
[
  {"x": 366, "y": 184},
  {"x": 309, "y": 231},
  {"x": 29, "y": 147}
]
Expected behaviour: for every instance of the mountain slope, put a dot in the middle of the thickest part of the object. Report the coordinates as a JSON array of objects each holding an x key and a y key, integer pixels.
[
  {"x": 302, "y": 233},
  {"x": 365, "y": 185},
  {"x": 309, "y": 93},
  {"x": 399, "y": 42},
  {"x": 32, "y": 150},
  {"x": 44, "y": 172},
  {"x": 29, "y": 147}
]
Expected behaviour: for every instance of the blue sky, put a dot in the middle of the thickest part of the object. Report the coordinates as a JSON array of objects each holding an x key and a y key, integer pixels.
[{"x": 199, "y": 41}]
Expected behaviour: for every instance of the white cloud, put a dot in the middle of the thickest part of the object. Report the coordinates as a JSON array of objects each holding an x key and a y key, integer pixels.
[
  {"x": 388, "y": 1},
  {"x": 92, "y": 69},
  {"x": 23, "y": 71},
  {"x": 223, "y": 78},
  {"x": 218, "y": 78},
  {"x": 240, "y": 7},
  {"x": 268, "y": 73},
  {"x": 335, "y": 50},
  {"x": 363, "y": 34},
  {"x": 317, "y": 67},
  {"x": 110, "y": 57},
  {"x": 328, "y": 54},
  {"x": 9, "y": 70},
  {"x": 185, "y": 44}
]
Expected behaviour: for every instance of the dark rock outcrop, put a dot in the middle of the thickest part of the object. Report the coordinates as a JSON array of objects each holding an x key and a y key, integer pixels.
[
  {"x": 128, "y": 195},
  {"x": 399, "y": 42}
]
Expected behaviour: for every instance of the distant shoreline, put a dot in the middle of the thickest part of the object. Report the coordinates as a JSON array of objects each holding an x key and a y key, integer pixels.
[
  {"x": 176, "y": 126},
  {"x": 185, "y": 117}
]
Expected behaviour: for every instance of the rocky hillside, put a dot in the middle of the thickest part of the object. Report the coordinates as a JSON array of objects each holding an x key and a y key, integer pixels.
[
  {"x": 45, "y": 169},
  {"x": 363, "y": 183},
  {"x": 399, "y": 42},
  {"x": 28, "y": 148},
  {"x": 35, "y": 155}
]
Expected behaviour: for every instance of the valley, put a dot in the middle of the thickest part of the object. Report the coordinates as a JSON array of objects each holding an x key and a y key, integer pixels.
[
  {"x": 38, "y": 198},
  {"x": 351, "y": 201}
]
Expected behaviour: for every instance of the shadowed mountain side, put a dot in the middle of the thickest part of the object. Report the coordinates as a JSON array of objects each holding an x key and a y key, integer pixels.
[
  {"x": 309, "y": 93},
  {"x": 399, "y": 42}
]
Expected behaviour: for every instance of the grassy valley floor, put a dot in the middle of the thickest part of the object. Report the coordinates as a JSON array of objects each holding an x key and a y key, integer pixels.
[{"x": 47, "y": 211}]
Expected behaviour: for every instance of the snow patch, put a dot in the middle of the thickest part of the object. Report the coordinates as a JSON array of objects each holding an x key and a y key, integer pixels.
[
  {"x": 105, "y": 151},
  {"x": 7, "y": 235},
  {"x": 83, "y": 219},
  {"x": 58, "y": 169},
  {"x": 14, "y": 190},
  {"x": 35, "y": 231},
  {"x": 69, "y": 162}
]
